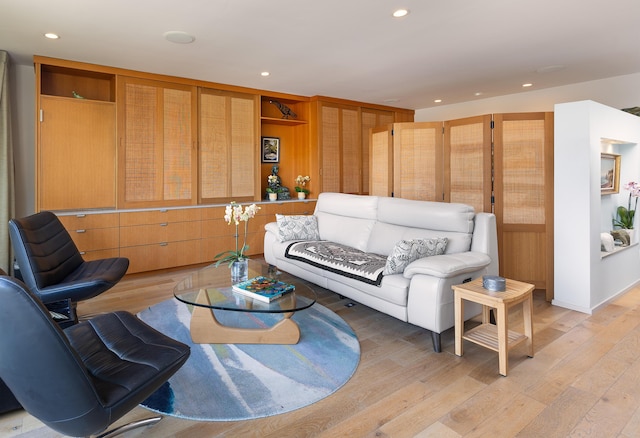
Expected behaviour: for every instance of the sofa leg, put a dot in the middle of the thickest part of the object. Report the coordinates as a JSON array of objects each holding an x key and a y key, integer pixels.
[{"x": 435, "y": 337}]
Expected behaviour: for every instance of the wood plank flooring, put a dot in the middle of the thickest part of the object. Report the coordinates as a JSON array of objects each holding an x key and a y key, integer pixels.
[{"x": 582, "y": 382}]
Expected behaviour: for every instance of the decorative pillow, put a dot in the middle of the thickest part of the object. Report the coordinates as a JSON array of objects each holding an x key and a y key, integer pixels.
[
  {"x": 301, "y": 227},
  {"x": 407, "y": 251}
]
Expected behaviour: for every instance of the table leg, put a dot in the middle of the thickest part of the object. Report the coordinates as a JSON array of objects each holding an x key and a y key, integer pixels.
[
  {"x": 503, "y": 330},
  {"x": 206, "y": 329},
  {"x": 527, "y": 312},
  {"x": 459, "y": 322}
]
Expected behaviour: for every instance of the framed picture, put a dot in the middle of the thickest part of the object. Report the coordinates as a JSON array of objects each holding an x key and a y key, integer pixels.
[
  {"x": 270, "y": 149},
  {"x": 609, "y": 173}
]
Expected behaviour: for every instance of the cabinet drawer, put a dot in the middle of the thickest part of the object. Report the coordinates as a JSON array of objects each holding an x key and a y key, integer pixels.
[
  {"x": 305, "y": 207},
  {"x": 159, "y": 233},
  {"x": 87, "y": 221},
  {"x": 159, "y": 216},
  {"x": 162, "y": 256},
  {"x": 95, "y": 239},
  {"x": 100, "y": 254},
  {"x": 213, "y": 213}
]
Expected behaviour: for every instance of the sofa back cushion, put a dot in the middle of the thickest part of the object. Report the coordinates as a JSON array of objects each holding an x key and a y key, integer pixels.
[
  {"x": 408, "y": 219},
  {"x": 346, "y": 219}
]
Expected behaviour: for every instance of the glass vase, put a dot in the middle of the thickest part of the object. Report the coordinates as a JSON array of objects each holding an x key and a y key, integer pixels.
[{"x": 240, "y": 270}]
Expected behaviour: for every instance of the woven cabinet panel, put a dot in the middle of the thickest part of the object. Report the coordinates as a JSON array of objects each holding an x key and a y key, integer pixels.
[
  {"x": 141, "y": 151},
  {"x": 466, "y": 165},
  {"x": 214, "y": 172},
  {"x": 177, "y": 144},
  {"x": 330, "y": 149},
  {"x": 243, "y": 148},
  {"x": 523, "y": 172},
  {"x": 415, "y": 161},
  {"x": 381, "y": 182},
  {"x": 351, "y": 152}
]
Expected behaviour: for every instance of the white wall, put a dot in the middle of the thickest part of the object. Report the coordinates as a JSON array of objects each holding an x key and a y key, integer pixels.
[
  {"x": 583, "y": 279},
  {"x": 616, "y": 92}
]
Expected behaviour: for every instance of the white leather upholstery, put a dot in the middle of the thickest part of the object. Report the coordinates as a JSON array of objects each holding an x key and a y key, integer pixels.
[{"x": 422, "y": 294}]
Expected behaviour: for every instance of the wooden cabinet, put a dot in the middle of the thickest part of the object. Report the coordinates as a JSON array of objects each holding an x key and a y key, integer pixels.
[
  {"x": 157, "y": 154},
  {"x": 95, "y": 235},
  {"x": 229, "y": 146},
  {"x": 371, "y": 118},
  {"x": 159, "y": 239},
  {"x": 76, "y": 139}
]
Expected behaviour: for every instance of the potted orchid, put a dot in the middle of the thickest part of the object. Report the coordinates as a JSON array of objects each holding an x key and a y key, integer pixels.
[
  {"x": 301, "y": 182},
  {"x": 237, "y": 260},
  {"x": 626, "y": 215}
]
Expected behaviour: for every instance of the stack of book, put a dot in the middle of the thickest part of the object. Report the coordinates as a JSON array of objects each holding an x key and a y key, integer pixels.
[{"x": 263, "y": 288}]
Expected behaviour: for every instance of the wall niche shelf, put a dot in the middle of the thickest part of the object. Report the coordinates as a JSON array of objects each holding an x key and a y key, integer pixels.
[
  {"x": 616, "y": 250},
  {"x": 284, "y": 122}
]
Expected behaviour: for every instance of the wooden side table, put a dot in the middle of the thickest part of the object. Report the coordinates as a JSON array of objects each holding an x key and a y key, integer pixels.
[{"x": 496, "y": 337}]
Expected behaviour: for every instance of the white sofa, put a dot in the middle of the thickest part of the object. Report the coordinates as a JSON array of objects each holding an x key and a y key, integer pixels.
[{"x": 421, "y": 294}]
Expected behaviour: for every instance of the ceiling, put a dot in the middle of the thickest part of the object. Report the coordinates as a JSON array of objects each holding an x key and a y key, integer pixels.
[{"x": 352, "y": 49}]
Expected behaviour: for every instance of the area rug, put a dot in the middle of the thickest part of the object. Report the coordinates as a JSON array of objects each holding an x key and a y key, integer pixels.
[{"x": 227, "y": 382}]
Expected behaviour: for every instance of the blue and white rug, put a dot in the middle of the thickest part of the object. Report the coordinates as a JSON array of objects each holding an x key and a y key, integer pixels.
[{"x": 229, "y": 382}]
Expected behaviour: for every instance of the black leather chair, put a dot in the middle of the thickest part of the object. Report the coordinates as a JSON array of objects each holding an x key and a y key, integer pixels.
[
  {"x": 51, "y": 265},
  {"x": 80, "y": 380}
]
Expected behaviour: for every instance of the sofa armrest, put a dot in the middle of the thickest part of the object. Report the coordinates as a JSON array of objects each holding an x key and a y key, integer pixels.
[
  {"x": 448, "y": 265},
  {"x": 271, "y": 227}
]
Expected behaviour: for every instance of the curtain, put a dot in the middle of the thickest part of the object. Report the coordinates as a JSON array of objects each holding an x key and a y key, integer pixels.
[{"x": 6, "y": 165}]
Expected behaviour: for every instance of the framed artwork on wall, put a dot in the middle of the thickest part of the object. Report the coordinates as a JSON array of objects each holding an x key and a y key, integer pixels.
[
  {"x": 270, "y": 149},
  {"x": 609, "y": 173}
]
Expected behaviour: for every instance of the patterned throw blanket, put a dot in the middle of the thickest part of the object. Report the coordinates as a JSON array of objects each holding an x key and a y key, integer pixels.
[{"x": 341, "y": 259}]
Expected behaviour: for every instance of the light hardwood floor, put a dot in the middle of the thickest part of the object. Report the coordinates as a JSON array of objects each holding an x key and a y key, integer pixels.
[{"x": 583, "y": 380}]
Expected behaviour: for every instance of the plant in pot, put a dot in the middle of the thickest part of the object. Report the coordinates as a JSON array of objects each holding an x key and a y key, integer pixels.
[
  {"x": 273, "y": 194},
  {"x": 237, "y": 260},
  {"x": 626, "y": 215},
  {"x": 301, "y": 182}
]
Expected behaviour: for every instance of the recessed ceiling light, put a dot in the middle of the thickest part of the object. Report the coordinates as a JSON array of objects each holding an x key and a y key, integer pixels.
[
  {"x": 265, "y": 73},
  {"x": 179, "y": 37},
  {"x": 438, "y": 100},
  {"x": 527, "y": 85},
  {"x": 400, "y": 13},
  {"x": 51, "y": 36},
  {"x": 479, "y": 93}
]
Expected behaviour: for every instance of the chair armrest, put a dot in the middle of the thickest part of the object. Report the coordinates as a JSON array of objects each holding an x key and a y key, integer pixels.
[{"x": 448, "y": 265}]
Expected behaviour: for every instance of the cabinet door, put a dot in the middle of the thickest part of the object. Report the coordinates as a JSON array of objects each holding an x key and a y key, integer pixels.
[
  {"x": 418, "y": 161},
  {"x": 158, "y": 154},
  {"x": 370, "y": 118},
  {"x": 229, "y": 145},
  {"x": 467, "y": 162},
  {"x": 77, "y": 154},
  {"x": 340, "y": 148}
]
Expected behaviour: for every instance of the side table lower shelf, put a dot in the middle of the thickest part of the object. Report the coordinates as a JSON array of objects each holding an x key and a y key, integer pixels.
[{"x": 486, "y": 335}]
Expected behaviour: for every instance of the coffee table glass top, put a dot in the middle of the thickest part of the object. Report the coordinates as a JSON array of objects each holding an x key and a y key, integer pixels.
[{"x": 218, "y": 286}]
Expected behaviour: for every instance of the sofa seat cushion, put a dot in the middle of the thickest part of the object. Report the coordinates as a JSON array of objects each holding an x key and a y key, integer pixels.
[
  {"x": 339, "y": 259},
  {"x": 393, "y": 289}
]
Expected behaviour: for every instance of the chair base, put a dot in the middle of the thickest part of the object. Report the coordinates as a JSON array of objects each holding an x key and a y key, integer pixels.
[{"x": 129, "y": 426}]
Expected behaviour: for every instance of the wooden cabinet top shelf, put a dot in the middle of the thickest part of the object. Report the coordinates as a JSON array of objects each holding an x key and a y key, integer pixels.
[{"x": 275, "y": 121}]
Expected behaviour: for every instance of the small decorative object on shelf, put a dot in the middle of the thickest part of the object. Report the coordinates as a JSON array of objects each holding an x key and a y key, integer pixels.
[
  {"x": 301, "y": 182},
  {"x": 284, "y": 109},
  {"x": 274, "y": 185},
  {"x": 76, "y": 95},
  {"x": 626, "y": 215},
  {"x": 237, "y": 260}
]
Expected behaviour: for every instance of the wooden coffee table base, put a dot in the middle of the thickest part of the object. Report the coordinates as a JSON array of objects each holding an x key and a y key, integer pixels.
[{"x": 206, "y": 329}]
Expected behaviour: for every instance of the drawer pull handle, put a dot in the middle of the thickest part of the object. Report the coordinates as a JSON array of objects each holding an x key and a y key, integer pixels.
[
  {"x": 82, "y": 252},
  {"x": 81, "y": 215},
  {"x": 164, "y": 224},
  {"x": 81, "y": 231},
  {"x": 164, "y": 244},
  {"x": 163, "y": 210}
]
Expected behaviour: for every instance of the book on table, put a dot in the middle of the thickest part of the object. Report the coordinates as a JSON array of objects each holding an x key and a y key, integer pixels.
[{"x": 263, "y": 288}]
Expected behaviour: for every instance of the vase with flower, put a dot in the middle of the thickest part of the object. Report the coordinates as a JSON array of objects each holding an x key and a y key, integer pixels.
[
  {"x": 301, "y": 182},
  {"x": 626, "y": 215},
  {"x": 237, "y": 260}
]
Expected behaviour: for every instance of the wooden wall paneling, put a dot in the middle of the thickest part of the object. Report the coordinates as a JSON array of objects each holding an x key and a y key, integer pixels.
[
  {"x": 418, "y": 161},
  {"x": 523, "y": 147},
  {"x": 352, "y": 159},
  {"x": 77, "y": 154},
  {"x": 467, "y": 162}
]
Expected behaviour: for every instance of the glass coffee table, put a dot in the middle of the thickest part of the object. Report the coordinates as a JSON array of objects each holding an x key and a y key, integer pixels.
[{"x": 210, "y": 289}]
